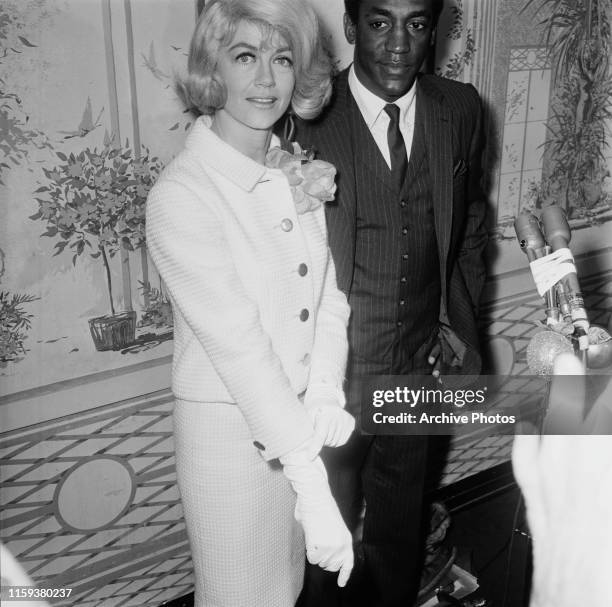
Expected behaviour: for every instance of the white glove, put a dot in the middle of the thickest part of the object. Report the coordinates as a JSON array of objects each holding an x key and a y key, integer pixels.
[
  {"x": 329, "y": 543},
  {"x": 333, "y": 425}
]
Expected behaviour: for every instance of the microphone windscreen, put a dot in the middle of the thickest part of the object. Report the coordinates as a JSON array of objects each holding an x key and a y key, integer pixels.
[{"x": 542, "y": 350}]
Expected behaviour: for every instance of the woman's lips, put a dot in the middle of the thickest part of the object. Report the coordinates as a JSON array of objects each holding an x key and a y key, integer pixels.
[{"x": 264, "y": 102}]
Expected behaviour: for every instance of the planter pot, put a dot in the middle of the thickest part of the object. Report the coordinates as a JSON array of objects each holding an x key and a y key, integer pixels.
[{"x": 113, "y": 332}]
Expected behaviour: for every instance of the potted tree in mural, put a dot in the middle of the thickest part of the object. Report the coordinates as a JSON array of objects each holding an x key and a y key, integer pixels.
[
  {"x": 577, "y": 33},
  {"x": 94, "y": 203}
]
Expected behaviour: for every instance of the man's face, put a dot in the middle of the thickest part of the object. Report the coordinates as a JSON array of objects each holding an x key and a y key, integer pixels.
[{"x": 391, "y": 38}]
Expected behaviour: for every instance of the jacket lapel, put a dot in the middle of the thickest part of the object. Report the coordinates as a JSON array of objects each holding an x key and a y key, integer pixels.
[
  {"x": 437, "y": 124},
  {"x": 337, "y": 147}
]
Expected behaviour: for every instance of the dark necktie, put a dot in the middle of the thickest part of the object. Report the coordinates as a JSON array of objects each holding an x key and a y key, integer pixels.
[{"x": 397, "y": 146}]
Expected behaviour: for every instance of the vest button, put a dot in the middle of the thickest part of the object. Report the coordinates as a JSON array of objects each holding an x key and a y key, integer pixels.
[
  {"x": 304, "y": 315},
  {"x": 399, "y": 323},
  {"x": 286, "y": 225},
  {"x": 302, "y": 269},
  {"x": 403, "y": 203},
  {"x": 402, "y": 302},
  {"x": 403, "y": 280},
  {"x": 405, "y": 256},
  {"x": 404, "y": 230}
]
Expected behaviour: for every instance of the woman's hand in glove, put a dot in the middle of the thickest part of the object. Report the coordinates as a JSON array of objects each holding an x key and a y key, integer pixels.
[
  {"x": 333, "y": 425},
  {"x": 329, "y": 543}
]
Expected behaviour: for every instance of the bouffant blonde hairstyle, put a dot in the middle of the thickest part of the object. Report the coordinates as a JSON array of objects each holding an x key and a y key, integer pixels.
[{"x": 294, "y": 20}]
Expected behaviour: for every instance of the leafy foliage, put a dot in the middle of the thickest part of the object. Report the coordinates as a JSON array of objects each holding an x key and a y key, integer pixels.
[
  {"x": 94, "y": 202},
  {"x": 577, "y": 33},
  {"x": 15, "y": 323},
  {"x": 15, "y": 135},
  {"x": 158, "y": 312}
]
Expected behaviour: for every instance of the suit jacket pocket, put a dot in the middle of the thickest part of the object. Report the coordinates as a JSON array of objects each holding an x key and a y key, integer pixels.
[{"x": 459, "y": 169}]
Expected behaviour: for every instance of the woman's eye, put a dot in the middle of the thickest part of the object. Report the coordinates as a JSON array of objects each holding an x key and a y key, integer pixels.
[
  {"x": 284, "y": 61},
  {"x": 245, "y": 58}
]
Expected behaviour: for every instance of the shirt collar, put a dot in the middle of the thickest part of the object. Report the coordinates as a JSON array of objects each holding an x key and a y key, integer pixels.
[
  {"x": 212, "y": 151},
  {"x": 371, "y": 105}
]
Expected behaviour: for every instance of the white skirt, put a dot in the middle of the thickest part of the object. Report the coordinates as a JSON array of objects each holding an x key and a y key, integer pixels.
[{"x": 247, "y": 548}]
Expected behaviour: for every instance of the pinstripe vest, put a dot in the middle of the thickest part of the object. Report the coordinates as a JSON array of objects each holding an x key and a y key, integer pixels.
[{"x": 396, "y": 284}]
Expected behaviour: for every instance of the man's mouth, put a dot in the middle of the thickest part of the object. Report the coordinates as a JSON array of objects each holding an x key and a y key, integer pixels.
[{"x": 395, "y": 65}]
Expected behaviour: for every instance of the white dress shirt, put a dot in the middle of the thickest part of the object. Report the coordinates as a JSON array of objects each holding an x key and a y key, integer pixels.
[{"x": 377, "y": 120}]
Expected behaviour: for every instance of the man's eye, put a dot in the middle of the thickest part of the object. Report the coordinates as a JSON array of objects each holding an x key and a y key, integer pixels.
[
  {"x": 245, "y": 58},
  {"x": 378, "y": 25},
  {"x": 418, "y": 25}
]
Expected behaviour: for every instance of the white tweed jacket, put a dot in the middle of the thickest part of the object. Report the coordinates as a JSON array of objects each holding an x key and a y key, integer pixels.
[{"x": 258, "y": 315}]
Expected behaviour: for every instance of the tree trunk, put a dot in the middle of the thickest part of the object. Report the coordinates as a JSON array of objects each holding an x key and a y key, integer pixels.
[{"x": 108, "y": 278}]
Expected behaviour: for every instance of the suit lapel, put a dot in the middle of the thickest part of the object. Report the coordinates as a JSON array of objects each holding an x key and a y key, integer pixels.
[
  {"x": 367, "y": 154},
  {"x": 336, "y": 140},
  {"x": 437, "y": 124}
]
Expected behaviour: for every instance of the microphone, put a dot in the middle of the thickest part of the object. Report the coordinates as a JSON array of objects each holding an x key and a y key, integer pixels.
[
  {"x": 532, "y": 243},
  {"x": 542, "y": 350},
  {"x": 558, "y": 236}
]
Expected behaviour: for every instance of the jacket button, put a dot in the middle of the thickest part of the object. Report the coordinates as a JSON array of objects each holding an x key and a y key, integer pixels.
[
  {"x": 399, "y": 323},
  {"x": 306, "y": 359},
  {"x": 304, "y": 315},
  {"x": 403, "y": 280},
  {"x": 402, "y": 302},
  {"x": 404, "y": 231},
  {"x": 405, "y": 256},
  {"x": 302, "y": 269},
  {"x": 403, "y": 203},
  {"x": 286, "y": 225},
  {"x": 259, "y": 445}
]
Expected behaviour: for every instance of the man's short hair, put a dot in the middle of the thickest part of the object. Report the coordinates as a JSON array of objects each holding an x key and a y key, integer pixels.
[
  {"x": 294, "y": 20},
  {"x": 352, "y": 9}
]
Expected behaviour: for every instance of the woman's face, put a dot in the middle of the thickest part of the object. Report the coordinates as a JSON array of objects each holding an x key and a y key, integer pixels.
[{"x": 258, "y": 74}]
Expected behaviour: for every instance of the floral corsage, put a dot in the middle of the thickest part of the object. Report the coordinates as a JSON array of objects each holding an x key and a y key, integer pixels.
[{"x": 312, "y": 182}]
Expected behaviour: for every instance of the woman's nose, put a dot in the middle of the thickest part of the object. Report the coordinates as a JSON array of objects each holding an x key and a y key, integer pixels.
[{"x": 264, "y": 75}]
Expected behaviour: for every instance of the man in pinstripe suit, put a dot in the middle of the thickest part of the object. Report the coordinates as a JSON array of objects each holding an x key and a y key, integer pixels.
[{"x": 407, "y": 236}]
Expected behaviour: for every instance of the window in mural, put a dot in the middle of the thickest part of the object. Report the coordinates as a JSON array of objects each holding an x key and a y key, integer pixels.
[{"x": 522, "y": 157}]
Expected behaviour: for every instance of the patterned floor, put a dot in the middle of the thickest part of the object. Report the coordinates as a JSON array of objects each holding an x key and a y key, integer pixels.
[{"x": 124, "y": 544}]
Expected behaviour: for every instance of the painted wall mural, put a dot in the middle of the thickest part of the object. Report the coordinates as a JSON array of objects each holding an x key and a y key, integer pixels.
[{"x": 88, "y": 119}]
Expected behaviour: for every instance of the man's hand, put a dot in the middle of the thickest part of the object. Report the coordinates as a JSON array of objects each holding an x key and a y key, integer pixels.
[{"x": 435, "y": 360}]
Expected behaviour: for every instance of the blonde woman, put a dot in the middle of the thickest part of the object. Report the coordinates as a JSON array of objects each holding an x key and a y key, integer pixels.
[{"x": 236, "y": 228}]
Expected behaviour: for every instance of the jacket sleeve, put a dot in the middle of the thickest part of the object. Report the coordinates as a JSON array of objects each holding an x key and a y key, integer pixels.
[
  {"x": 186, "y": 240},
  {"x": 474, "y": 241}
]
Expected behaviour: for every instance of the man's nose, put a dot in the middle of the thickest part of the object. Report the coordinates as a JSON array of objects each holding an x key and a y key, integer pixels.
[
  {"x": 398, "y": 40},
  {"x": 264, "y": 75}
]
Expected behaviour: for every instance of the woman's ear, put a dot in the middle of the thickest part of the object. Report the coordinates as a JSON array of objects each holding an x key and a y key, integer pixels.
[{"x": 350, "y": 29}]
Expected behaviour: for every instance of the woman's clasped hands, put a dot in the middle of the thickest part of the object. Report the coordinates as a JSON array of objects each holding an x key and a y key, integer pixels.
[{"x": 333, "y": 425}]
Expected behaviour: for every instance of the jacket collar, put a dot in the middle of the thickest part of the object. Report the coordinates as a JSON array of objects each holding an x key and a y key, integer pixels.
[{"x": 212, "y": 152}]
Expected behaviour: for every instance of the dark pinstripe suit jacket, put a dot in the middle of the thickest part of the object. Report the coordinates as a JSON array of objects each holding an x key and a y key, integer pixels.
[{"x": 451, "y": 115}]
